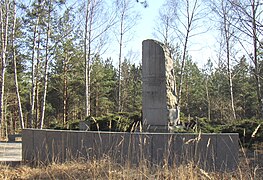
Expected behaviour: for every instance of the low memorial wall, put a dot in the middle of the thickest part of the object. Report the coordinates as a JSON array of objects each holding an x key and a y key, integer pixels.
[{"x": 209, "y": 151}]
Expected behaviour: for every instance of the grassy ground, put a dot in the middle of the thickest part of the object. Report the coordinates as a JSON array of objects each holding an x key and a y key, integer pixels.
[{"x": 105, "y": 169}]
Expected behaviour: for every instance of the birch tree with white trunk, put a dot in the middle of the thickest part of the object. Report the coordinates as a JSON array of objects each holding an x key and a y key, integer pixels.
[
  {"x": 4, "y": 38},
  {"x": 188, "y": 16},
  {"x": 98, "y": 20},
  {"x": 14, "y": 57},
  {"x": 127, "y": 18},
  {"x": 224, "y": 11},
  {"x": 250, "y": 25}
]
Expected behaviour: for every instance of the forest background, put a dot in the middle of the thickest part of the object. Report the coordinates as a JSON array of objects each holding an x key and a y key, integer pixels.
[{"x": 54, "y": 72}]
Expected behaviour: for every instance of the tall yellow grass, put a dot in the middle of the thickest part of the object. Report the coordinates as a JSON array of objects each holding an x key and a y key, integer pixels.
[{"x": 106, "y": 169}]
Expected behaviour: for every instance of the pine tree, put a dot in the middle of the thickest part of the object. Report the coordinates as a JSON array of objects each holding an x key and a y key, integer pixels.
[{"x": 103, "y": 81}]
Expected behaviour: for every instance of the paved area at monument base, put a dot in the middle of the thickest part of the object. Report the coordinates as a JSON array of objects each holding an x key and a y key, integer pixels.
[{"x": 10, "y": 153}]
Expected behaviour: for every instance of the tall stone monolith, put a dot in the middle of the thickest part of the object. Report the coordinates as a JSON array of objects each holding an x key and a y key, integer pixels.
[{"x": 159, "y": 92}]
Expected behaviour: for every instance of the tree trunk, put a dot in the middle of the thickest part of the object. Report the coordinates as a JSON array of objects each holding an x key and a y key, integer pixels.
[
  {"x": 255, "y": 59},
  {"x": 65, "y": 93},
  {"x": 227, "y": 41},
  {"x": 208, "y": 101},
  {"x": 179, "y": 96},
  {"x": 250, "y": 25},
  {"x": 190, "y": 18},
  {"x": 232, "y": 95},
  {"x": 46, "y": 68},
  {"x": 33, "y": 75},
  {"x": 87, "y": 53},
  {"x": 120, "y": 56},
  {"x": 15, "y": 71},
  {"x": 36, "y": 76},
  {"x": 4, "y": 20}
]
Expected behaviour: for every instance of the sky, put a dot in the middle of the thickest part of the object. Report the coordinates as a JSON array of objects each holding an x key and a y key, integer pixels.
[
  {"x": 200, "y": 48},
  {"x": 142, "y": 30}
]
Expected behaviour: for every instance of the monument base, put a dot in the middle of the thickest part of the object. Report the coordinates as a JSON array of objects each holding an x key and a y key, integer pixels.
[
  {"x": 155, "y": 128},
  {"x": 210, "y": 152}
]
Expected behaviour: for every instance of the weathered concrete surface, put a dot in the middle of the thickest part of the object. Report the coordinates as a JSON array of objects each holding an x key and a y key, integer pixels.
[
  {"x": 209, "y": 151},
  {"x": 158, "y": 90},
  {"x": 10, "y": 152}
]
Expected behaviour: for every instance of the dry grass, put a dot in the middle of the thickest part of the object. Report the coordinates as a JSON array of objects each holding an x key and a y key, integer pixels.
[{"x": 105, "y": 169}]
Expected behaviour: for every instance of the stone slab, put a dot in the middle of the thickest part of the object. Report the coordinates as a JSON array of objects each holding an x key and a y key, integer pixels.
[
  {"x": 227, "y": 148},
  {"x": 54, "y": 146},
  {"x": 158, "y": 87},
  {"x": 71, "y": 145},
  {"x": 152, "y": 63},
  {"x": 120, "y": 143},
  {"x": 210, "y": 152},
  {"x": 161, "y": 148},
  {"x": 140, "y": 148},
  {"x": 102, "y": 145},
  {"x": 183, "y": 148},
  {"x": 85, "y": 145},
  {"x": 205, "y": 152},
  {"x": 154, "y": 104},
  {"x": 27, "y": 145},
  {"x": 40, "y": 149},
  {"x": 156, "y": 117}
]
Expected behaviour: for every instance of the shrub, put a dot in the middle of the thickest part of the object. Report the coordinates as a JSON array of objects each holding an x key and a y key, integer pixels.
[{"x": 122, "y": 121}]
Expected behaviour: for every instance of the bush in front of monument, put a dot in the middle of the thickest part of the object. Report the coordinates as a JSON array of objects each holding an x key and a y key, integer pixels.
[{"x": 122, "y": 122}]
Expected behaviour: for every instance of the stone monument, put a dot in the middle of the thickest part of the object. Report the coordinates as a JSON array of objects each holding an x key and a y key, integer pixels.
[{"x": 159, "y": 102}]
